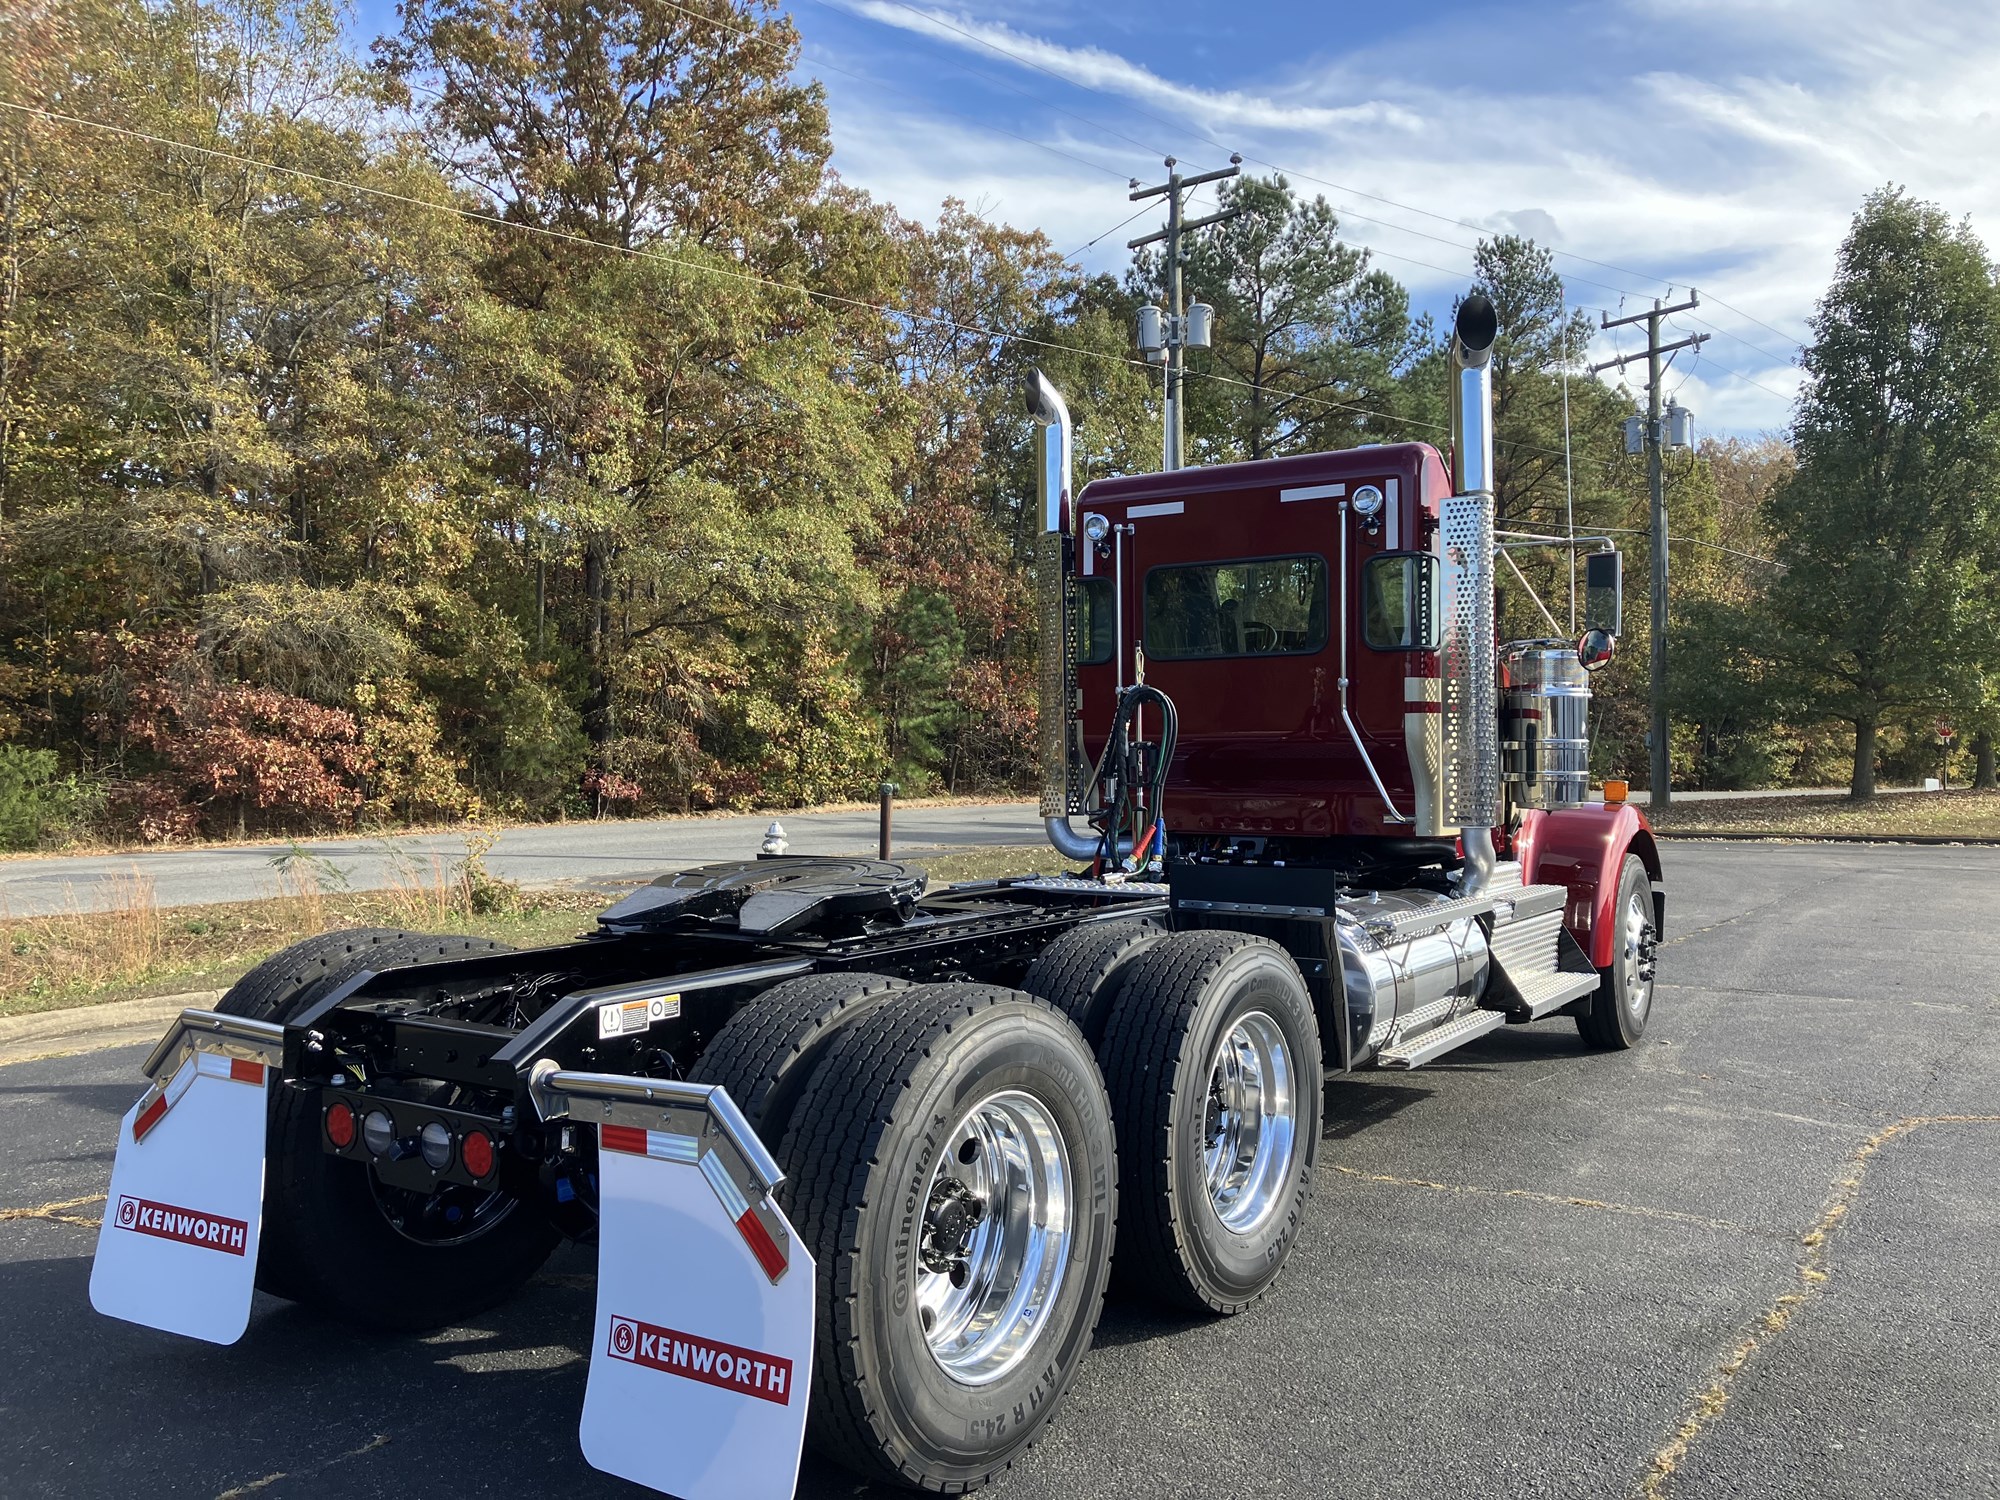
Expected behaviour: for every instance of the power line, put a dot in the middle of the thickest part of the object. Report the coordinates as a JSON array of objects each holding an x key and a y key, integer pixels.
[
  {"x": 932, "y": 19},
  {"x": 1087, "y": 244},
  {"x": 1784, "y": 359},
  {"x": 1758, "y": 321}
]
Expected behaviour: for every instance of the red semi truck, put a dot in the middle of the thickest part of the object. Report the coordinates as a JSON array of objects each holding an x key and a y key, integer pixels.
[{"x": 860, "y": 1159}]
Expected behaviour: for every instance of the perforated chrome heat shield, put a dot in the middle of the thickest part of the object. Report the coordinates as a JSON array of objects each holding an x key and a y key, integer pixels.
[
  {"x": 1468, "y": 668},
  {"x": 1055, "y": 604}
]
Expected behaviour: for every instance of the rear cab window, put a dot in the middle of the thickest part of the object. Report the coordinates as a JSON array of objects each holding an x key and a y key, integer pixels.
[{"x": 1271, "y": 606}]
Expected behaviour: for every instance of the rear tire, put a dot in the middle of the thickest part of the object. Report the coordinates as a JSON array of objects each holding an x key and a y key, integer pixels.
[
  {"x": 1081, "y": 971},
  {"x": 1212, "y": 1059},
  {"x": 326, "y": 1241},
  {"x": 929, "y": 1117},
  {"x": 1617, "y": 1013},
  {"x": 276, "y": 989},
  {"x": 765, "y": 1054}
]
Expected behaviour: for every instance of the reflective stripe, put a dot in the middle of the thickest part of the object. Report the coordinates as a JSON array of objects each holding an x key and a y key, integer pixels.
[
  {"x": 758, "y": 1238},
  {"x": 733, "y": 1201},
  {"x": 1312, "y": 492}
]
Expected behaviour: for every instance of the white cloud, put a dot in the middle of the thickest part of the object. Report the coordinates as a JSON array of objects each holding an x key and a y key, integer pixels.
[{"x": 1724, "y": 143}]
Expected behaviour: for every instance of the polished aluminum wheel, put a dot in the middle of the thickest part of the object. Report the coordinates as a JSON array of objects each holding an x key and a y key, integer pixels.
[
  {"x": 1251, "y": 1123},
  {"x": 995, "y": 1238},
  {"x": 1639, "y": 945}
]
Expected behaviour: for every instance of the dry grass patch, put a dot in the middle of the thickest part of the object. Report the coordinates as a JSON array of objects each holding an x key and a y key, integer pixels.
[
  {"x": 1956, "y": 814},
  {"x": 962, "y": 865},
  {"x": 78, "y": 957}
]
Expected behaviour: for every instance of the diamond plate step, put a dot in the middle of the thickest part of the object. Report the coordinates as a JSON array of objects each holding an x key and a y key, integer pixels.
[
  {"x": 1426, "y": 1015},
  {"x": 1543, "y": 993},
  {"x": 1401, "y": 926},
  {"x": 1440, "y": 1040}
]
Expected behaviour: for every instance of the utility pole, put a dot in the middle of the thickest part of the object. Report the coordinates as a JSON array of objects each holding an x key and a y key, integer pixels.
[
  {"x": 1173, "y": 340},
  {"x": 1662, "y": 759}
]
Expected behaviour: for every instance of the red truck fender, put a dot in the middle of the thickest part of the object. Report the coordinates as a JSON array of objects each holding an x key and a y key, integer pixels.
[{"x": 1584, "y": 848}]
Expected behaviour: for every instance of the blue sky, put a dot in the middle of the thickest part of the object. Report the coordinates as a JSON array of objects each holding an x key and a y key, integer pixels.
[{"x": 1719, "y": 143}]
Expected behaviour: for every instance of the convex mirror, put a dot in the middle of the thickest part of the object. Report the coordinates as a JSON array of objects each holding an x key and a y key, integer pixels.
[{"x": 1594, "y": 648}]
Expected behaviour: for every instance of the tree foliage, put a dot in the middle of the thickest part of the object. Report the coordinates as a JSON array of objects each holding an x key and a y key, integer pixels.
[
  {"x": 528, "y": 420},
  {"x": 1886, "y": 530}
]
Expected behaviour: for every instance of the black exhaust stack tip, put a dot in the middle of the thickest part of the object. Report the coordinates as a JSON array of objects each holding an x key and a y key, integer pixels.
[{"x": 1478, "y": 324}]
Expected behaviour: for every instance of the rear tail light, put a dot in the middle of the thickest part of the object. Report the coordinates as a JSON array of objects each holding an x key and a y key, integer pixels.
[
  {"x": 340, "y": 1125},
  {"x": 476, "y": 1151},
  {"x": 434, "y": 1141}
]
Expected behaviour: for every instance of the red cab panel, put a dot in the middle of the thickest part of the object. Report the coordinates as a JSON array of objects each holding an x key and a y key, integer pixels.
[{"x": 1224, "y": 586}]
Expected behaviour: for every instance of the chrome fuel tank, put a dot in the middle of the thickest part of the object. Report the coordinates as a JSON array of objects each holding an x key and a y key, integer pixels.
[{"x": 1394, "y": 979}]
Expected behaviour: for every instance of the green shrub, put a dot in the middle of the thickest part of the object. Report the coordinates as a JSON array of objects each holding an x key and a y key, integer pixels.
[{"x": 24, "y": 794}]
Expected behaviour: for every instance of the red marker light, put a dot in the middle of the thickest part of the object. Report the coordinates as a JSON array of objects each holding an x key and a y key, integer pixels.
[
  {"x": 476, "y": 1151},
  {"x": 340, "y": 1125}
]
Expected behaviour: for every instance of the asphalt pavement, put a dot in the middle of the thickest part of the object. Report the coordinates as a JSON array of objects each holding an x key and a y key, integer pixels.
[
  {"x": 1761, "y": 1246},
  {"x": 611, "y": 853}
]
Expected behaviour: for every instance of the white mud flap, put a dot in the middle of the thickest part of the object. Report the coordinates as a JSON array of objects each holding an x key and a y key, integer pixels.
[
  {"x": 701, "y": 1360},
  {"x": 178, "y": 1247}
]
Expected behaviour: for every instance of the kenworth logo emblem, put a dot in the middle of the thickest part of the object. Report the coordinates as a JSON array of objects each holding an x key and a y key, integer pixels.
[
  {"x": 190, "y": 1227},
  {"x": 744, "y": 1371}
]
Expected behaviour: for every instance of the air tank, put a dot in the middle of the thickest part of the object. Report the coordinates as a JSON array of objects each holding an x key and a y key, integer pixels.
[{"x": 1544, "y": 724}]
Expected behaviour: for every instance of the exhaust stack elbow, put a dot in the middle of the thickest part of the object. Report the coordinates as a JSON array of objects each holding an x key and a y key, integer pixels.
[
  {"x": 1472, "y": 339},
  {"x": 1052, "y": 450}
]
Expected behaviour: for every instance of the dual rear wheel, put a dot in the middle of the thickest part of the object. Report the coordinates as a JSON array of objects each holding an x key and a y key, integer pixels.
[
  {"x": 953, "y": 1165},
  {"x": 950, "y": 1164}
]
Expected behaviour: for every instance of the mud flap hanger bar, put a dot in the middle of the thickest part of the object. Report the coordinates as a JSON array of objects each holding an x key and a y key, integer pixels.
[
  {"x": 205, "y": 1041},
  {"x": 697, "y": 1124},
  {"x": 210, "y": 1031}
]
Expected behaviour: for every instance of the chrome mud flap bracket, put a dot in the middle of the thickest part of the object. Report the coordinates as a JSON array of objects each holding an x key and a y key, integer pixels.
[
  {"x": 701, "y": 1352},
  {"x": 178, "y": 1247}
]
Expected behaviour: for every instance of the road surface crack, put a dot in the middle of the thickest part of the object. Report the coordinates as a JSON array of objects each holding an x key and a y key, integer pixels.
[
  {"x": 253, "y": 1486},
  {"x": 1713, "y": 1399},
  {"x": 1634, "y": 1210}
]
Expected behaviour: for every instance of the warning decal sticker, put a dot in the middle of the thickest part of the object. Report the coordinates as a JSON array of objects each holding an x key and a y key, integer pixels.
[
  {"x": 727, "y": 1366},
  {"x": 623, "y": 1018}
]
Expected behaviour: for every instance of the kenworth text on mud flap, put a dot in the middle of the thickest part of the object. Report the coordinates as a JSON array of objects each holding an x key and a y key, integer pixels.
[{"x": 860, "y": 1160}]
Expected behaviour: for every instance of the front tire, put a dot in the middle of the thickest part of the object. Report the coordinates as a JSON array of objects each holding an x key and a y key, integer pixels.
[
  {"x": 1617, "y": 1014},
  {"x": 952, "y": 1168},
  {"x": 1212, "y": 1059}
]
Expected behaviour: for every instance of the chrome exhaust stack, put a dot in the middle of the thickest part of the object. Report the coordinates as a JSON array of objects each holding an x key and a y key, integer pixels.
[
  {"x": 1469, "y": 669},
  {"x": 1057, "y": 726}
]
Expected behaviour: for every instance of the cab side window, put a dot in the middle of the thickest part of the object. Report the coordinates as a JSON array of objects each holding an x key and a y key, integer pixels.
[{"x": 1399, "y": 602}]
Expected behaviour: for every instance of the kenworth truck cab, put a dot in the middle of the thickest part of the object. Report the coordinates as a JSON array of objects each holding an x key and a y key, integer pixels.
[{"x": 859, "y": 1158}]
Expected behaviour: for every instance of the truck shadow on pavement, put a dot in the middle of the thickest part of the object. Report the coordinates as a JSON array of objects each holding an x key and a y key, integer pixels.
[{"x": 303, "y": 1405}]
